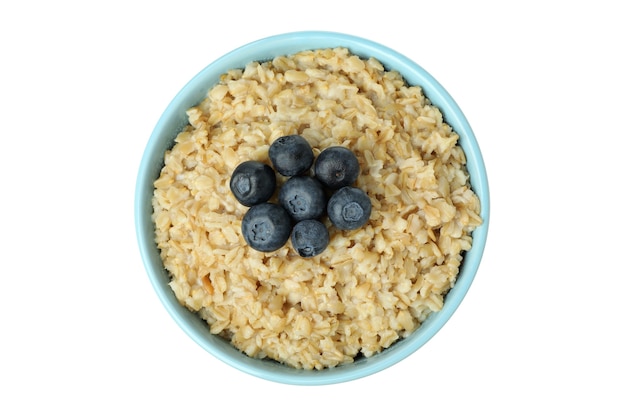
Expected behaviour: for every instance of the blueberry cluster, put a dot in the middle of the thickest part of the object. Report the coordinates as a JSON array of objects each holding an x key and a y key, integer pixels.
[{"x": 303, "y": 199}]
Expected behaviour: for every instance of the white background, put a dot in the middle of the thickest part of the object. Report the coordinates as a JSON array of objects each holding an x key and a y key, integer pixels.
[{"x": 541, "y": 331}]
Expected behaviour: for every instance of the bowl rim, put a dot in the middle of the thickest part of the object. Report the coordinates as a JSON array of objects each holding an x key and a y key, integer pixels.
[{"x": 282, "y": 44}]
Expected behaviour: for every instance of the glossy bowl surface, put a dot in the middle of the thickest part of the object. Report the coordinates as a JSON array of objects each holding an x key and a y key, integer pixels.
[{"x": 174, "y": 119}]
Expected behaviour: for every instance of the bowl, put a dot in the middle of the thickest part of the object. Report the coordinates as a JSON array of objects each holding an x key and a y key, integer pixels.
[{"x": 173, "y": 120}]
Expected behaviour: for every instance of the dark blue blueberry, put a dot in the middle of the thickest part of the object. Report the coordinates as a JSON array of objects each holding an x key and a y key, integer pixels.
[
  {"x": 291, "y": 155},
  {"x": 349, "y": 208},
  {"x": 252, "y": 183},
  {"x": 303, "y": 197},
  {"x": 266, "y": 227},
  {"x": 309, "y": 238},
  {"x": 337, "y": 167}
]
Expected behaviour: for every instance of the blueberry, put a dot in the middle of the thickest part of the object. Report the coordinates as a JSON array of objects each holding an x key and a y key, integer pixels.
[
  {"x": 337, "y": 167},
  {"x": 349, "y": 208},
  {"x": 266, "y": 227},
  {"x": 291, "y": 155},
  {"x": 303, "y": 197},
  {"x": 252, "y": 183},
  {"x": 309, "y": 238}
]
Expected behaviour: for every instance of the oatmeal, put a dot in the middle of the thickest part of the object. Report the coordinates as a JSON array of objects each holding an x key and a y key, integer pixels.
[{"x": 371, "y": 286}]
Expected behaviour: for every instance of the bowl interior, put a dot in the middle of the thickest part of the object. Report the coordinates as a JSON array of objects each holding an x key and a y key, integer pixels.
[{"x": 174, "y": 119}]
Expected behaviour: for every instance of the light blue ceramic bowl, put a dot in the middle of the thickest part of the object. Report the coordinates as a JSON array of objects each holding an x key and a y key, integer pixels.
[{"x": 174, "y": 119}]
